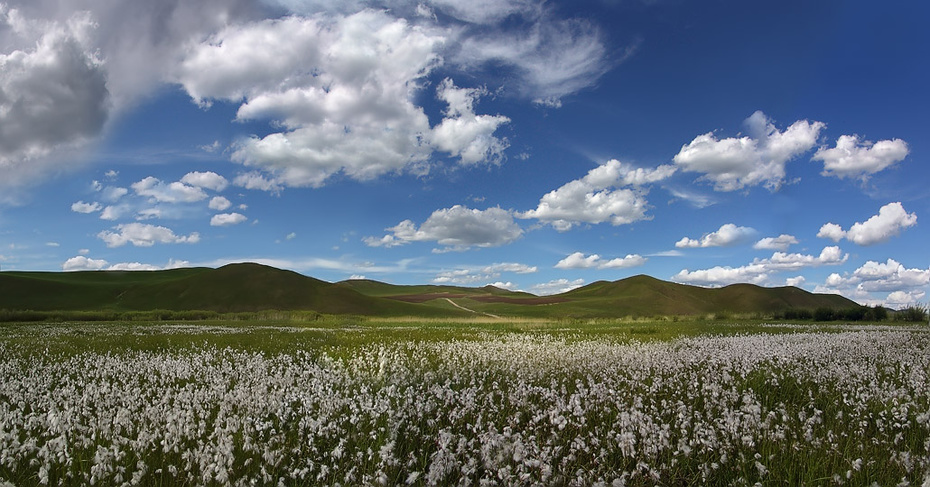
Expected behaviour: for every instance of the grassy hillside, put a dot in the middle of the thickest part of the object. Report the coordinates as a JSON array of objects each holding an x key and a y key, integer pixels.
[
  {"x": 232, "y": 288},
  {"x": 635, "y": 296},
  {"x": 254, "y": 287}
]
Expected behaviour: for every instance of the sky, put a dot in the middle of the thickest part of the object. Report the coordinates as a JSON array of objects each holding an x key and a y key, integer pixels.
[{"x": 535, "y": 146}]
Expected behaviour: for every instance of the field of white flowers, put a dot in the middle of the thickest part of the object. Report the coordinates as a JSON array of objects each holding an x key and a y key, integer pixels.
[{"x": 810, "y": 407}]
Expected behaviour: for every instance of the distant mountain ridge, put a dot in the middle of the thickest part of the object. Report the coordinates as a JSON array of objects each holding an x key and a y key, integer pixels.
[{"x": 256, "y": 287}]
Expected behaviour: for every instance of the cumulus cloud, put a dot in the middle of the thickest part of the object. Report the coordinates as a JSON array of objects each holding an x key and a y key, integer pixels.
[
  {"x": 723, "y": 275},
  {"x": 600, "y": 196},
  {"x": 781, "y": 261},
  {"x": 781, "y": 242},
  {"x": 556, "y": 286},
  {"x": 457, "y": 228},
  {"x": 219, "y": 203},
  {"x": 890, "y": 221},
  {"x": 578, "y": 260},
  {"x": 758, "y": 158},
  {"x": 728, "y": 234},
  {"x": 176, "y": 192},
  {"x": 760, "y": 271},
  {"x": 796, "y": 281},
  {"x": 68, "y": 66},
  {"x": 82, "y": 263},
  {"x": 831, "y": 231},
  {"x": 53, "y": 90},
  {"x": 852, "y": 158},
  {"x": 343, "y": 89},
  {"x": 208, "y": 180},
  {"x": 227, "y": 219},
  {"x": 905, "y": 286},
  {"x": 464, "y": 134},
  {"x": 510, "y": 286},
  {"x": 82, "y": 207},
  {"x": 143, "y": 235}
]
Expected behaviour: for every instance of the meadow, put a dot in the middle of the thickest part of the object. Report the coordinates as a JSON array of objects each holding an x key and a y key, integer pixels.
[{"x": 355, "y": 401}]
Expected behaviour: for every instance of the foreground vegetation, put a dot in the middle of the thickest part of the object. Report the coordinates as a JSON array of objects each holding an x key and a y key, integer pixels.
[{"x": 486, "y": 402}]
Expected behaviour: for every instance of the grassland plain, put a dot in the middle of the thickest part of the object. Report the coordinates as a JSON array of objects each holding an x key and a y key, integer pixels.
[{"x": 355, "y": 401}]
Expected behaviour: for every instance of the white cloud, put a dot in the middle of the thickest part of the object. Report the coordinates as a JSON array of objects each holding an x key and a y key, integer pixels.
[
  {"x": 219, "y": 203},
  {"x": 591, "y": 199},
  {"x": 556, "y": 286},
  {"x": 254, "y": 180},
  {"x": 723, "y": 275},
  {"x": 342, "y": 88},
  {"x": 176, "y": 192},
  {"x": 114, "y": 212},
  {"x": 82, "y": 207},
  {"x": 464, "y": 134},
  {"x": 471, "y": 276},
  {"x": 208, "y": 180},
  {"x": 781, "y": 242},
  {"x": 832, "y": 231},
  {"x": 889, "y": 222},
  {"x": 796, "y": 281},
  {"x": 133, "y": 266},
  {"x": 578, "y": 260},
  {"x": 728, "y": 234},
  {"x": 485, "y": 11},
  {"x": 758, "y": 158},
  {"x": 854, "y": 159},
  {"x": 904, "y": 286},
  {"x": 226, "y": 219},
  {"x": 113, "y": 194},
  {"x": 892, "y": 275},
  {"x": 514, "y": 267},
  {"x": 760, "y": 271},
  {"x": 510, "y": 286},
  {"x": 143, "y": 235},
  {"x": 460, "y": 276},
  {"x": 550, "y": 59},
  {"x": 81, "y": 263},
  {"x": 781, "y": 261},
  {"x": 903, "y": 299},
  {"x": 457, "y": 228}
]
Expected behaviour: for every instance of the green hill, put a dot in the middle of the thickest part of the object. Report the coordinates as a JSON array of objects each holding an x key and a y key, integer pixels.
[
  {"x": 231, "y": 288},
  {"x": 646, "y": 296},
  {"x": 254, "y": 287}
]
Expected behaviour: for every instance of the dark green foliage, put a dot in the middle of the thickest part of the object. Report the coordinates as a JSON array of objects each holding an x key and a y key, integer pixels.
[{"x": 913, "y": 314}]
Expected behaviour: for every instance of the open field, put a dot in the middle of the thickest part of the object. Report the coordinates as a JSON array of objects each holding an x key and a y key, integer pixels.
[{"x": 353, "y": 401}]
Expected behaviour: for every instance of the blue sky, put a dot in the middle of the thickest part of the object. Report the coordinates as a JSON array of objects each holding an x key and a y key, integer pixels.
[{"x": 532, "y": 145}]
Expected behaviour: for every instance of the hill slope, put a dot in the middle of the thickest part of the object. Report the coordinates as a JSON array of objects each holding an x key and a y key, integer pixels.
[
  {"x": 254, "y": 287},
  {"x": 232, "y": 288},
  {"x": 646, "y": 296}
]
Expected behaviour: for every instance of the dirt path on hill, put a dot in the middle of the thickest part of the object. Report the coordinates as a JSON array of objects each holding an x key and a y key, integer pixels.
[{"x": 453, "y": 303}]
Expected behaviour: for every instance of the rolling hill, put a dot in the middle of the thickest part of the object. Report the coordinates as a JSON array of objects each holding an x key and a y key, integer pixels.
[{"x": 255, "y": 287}]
